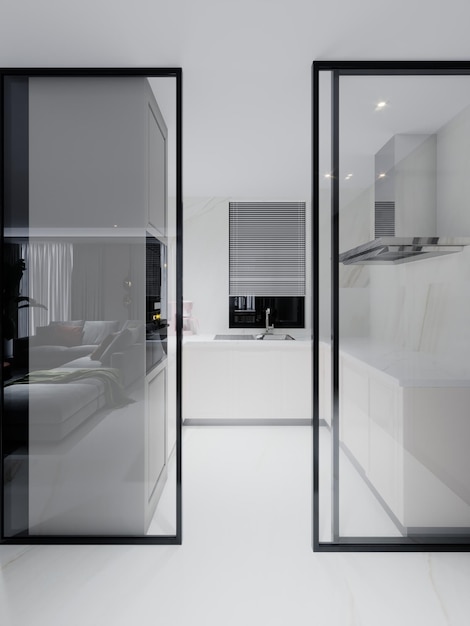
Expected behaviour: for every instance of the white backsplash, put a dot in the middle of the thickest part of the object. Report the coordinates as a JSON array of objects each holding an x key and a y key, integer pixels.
[{"x": 425, "y": 306}]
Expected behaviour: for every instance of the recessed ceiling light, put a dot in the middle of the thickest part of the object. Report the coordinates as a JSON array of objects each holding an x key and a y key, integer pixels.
[
  {"x": 382, "y": 175},
  {"x": 381, "y": 105},
  {"x": 115, "y": 226},
  {"x": 348, "y": 177},
  {"x": 327, "y": 175}
]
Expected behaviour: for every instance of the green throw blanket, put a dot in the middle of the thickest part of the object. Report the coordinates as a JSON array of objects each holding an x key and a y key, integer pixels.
[{"x": 113, "y": 390}]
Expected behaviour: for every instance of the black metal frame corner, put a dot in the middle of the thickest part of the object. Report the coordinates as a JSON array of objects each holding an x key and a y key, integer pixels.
[
  {"x": 157, "y": 72},
  {"x": 415, "y": 543}
]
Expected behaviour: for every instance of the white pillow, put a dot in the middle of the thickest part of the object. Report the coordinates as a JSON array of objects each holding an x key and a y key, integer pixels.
[
  {"x": 95, "y": 332},
  {"x": 120, "y": 343}
]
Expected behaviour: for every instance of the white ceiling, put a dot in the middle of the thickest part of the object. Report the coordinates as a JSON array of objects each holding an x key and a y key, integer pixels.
[
  {"x": 415, "y": 105},
  {"x": 246, "y": 67}
]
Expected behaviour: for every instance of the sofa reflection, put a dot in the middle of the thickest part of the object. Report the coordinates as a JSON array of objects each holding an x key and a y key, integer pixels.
[
  {"x": 75, "y": 369},
  {"x": 75, "y": 425}
]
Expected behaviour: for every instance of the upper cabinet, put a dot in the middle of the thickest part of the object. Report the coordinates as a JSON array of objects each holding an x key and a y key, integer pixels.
[
  {"x": 157, "y": 168},
  {"x": 97, "y": 154}
]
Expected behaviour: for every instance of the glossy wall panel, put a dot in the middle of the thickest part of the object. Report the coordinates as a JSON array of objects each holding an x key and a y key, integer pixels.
[{"x": 90, "y": 422}]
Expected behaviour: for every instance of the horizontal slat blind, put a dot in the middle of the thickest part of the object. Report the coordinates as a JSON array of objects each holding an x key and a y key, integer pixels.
[{"x": 267, "y": 248}]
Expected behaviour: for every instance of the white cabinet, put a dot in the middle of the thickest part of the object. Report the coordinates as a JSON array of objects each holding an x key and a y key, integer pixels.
[
  {"x": 98, "y": 174},
  {"x": 385, "y": 469},
  {"x": 410, "y": 442},
  {"x": 354, "y": 411},
  {"x": 371, "y": 428},
  {"x": 156, "y": 437},
  {"x": 207, "y": 381},
  {"x": 247, "y": 379},
  {"x": 157, "y": 165},
  {"x": 97, "y": 154}
]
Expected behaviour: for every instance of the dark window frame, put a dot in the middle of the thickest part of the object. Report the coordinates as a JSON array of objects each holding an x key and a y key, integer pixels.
[{"x": 239, "y": 260}]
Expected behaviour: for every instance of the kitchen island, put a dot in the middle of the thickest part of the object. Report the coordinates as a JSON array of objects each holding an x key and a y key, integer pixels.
[
  {"x": 405, "y": 423},
  {"x": 240, "y": 379}
]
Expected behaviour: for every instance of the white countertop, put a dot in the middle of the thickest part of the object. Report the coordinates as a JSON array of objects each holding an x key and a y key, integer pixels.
[
  {"x": 404, "y": 367},
  {"x": 407, "y": 368},
  {"x": 300, "y": 341}
]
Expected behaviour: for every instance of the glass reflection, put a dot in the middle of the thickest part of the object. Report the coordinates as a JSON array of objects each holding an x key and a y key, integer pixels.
[
  {"x": 395, "y": 455},
  {"x": 89, "y": 261},
  {"x": 402, "y": 371}
]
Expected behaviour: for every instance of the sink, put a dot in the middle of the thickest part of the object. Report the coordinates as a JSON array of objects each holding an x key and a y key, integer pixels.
[
  {"x": 262, "y": 336},
  {"x": 233, "y": 337}
]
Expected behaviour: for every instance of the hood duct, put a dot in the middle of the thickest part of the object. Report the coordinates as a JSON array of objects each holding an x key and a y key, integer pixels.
[{"x": 405, "y": 204}]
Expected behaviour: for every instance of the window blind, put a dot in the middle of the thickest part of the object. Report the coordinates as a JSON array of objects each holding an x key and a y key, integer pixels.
[{"x": 267, "y": 248}]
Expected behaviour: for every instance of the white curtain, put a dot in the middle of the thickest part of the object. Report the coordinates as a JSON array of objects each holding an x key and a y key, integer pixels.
[
  {"x": 88, "y": 281},
  {"x": 48, "y": 279}
]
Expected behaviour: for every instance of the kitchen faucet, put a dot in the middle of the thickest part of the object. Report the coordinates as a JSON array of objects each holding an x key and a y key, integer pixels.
[{"x": 268, "y": 327}]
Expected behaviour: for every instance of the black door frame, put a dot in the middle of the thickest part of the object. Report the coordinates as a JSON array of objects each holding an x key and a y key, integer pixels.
[
  {"x": 417, "y": 543},
  {"x": 177, "y": 74}
]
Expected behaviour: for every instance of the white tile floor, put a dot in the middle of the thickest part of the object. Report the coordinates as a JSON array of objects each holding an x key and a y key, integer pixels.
[{"x": 246, "y": 557}]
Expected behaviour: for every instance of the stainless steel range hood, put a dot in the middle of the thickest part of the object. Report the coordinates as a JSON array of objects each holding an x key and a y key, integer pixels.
[
  {"x": 405, "y": 205},
  {"x": 395, "y": 250}
]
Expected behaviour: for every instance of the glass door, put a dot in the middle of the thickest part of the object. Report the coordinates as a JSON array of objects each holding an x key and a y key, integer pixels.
[
  {"x": 91, "y": 438},
  {"x": 392, "y": 235}
]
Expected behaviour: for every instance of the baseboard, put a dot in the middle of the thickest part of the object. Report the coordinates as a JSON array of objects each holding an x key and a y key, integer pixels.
[{"x": 247, "y": 422}]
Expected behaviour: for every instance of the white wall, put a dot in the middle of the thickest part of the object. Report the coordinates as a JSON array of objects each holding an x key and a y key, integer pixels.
[
  {"x": 206, "y": 262},
  {"x": 355, "y": 228},
  {"x": 453, "y": 183},
  {"x": 425, "y": 305}
]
